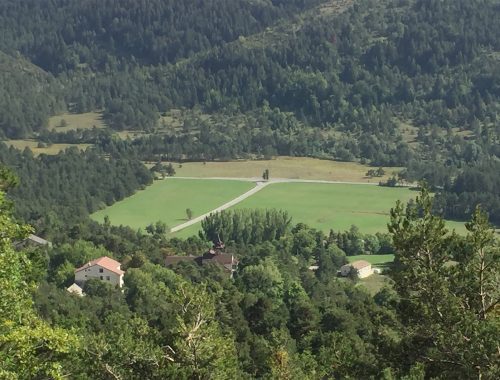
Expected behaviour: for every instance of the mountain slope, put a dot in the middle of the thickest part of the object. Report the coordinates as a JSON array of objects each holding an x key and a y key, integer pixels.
[{"x": 29, "y": 95}]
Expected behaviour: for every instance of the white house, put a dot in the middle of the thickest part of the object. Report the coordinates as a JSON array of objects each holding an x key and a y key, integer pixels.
[
  {"x": 75, "y": 289},
  {"x": 103, "y": 268},
  {"x": 363, "y": 268}
]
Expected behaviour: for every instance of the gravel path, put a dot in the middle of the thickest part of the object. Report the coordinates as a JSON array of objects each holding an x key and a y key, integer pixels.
[
  {"x": 278, "y": 180},
  {"x": 258, "y": 187}
]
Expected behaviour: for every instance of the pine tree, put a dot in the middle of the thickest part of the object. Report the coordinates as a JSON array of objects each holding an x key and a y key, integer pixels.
[{"x": 449, "y": 289}]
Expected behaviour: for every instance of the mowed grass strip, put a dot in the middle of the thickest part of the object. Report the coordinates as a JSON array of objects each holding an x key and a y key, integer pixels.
[
  {"x": 376, "y": 260},
  {"x": 167, "y": 200},
  {"x": 283, "y": 167},
  {"x": 332, "y": 206}
]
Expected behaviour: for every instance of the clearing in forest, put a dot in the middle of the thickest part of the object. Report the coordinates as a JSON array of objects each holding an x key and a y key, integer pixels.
[
  {"x": 336, "y": 206},
  {"x": 374, "y": 283},
  {"x": 72, "y": 121},
  {"x": 327, "y": 206},
  {"x": 332, "y": 206}
]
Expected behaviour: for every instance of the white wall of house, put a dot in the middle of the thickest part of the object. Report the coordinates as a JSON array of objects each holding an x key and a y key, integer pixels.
[
  {"x": 100, "y": 273},
  {"x": 365, "y": 272}
]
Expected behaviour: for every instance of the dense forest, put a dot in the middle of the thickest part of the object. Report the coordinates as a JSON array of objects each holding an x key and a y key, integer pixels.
[
  {"x": 53, "y": 191},
  {"x": 411, "y": 83},
  {"x": 100, "y": 51}
]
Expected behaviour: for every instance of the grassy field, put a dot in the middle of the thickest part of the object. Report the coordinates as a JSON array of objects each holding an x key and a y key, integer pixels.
[
  {"x": 167, "y": 200},
  {"x": 374, "y": 283},
  {"x": 373, "y": 259},
  {"x": 33, "y": 145},
  {"x": 73, "y": 121},
  {"x": 337, "y": 206},
  {"x": 283, "y": 167},
  {"x": 326, "y": 206},
  {"x": 76, "y": 121}
]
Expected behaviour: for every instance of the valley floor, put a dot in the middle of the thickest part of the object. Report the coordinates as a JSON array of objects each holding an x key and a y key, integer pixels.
[{"x": 323, "y": 194}]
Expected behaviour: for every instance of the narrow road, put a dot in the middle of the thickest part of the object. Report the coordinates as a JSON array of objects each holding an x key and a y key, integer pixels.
[{"x": 259, "y": 185}]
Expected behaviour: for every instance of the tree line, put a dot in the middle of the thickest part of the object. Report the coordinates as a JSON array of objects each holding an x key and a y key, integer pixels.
[{"x": 65, "y": 188}]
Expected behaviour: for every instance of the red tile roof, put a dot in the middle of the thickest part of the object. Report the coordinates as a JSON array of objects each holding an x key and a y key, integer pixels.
[
  {"x": 104, "y": 262},
  {"x": 360, "y": 264}
]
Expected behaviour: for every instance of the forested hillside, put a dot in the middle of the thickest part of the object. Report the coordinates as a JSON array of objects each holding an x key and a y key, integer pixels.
[
  {"x": 354, "y": 69},
  {"x": 53, "y": 191},
  {"x": 394, "y": 83},
  {"x": 61, "y": 35},
  {"x": 28, "y": 96}
]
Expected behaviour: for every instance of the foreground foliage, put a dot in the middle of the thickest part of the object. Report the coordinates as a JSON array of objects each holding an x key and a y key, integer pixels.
[
  {"x": 275, "y": 320},
  {"x": 29, "y": 346},
  {"x": 449, "y": 289}
]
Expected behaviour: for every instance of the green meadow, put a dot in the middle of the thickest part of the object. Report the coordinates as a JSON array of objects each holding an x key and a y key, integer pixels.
[
  {"x": 376, "y": 260},
  {"x": 330, "y": 206},
  {"x": 322, "y": 206},
  {"x": 167, "y": 200},
  {"x": 335, "y": 206},
  {"x": 327, "y": 206}
]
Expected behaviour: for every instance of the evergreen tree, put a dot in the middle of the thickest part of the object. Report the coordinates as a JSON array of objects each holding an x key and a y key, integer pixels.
[
  {"x": 29, "y": 346},
  {"x": 448, "y": 288}
]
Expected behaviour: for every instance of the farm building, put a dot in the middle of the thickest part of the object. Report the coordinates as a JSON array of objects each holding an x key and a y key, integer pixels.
[
  {"x": 75, "y": 289},
  {"x": 214, "y": 255},
  {"x": 103, "y": 268},
  {"x": 363, "y": 268},
  {"x": 32, "y": 241}
]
